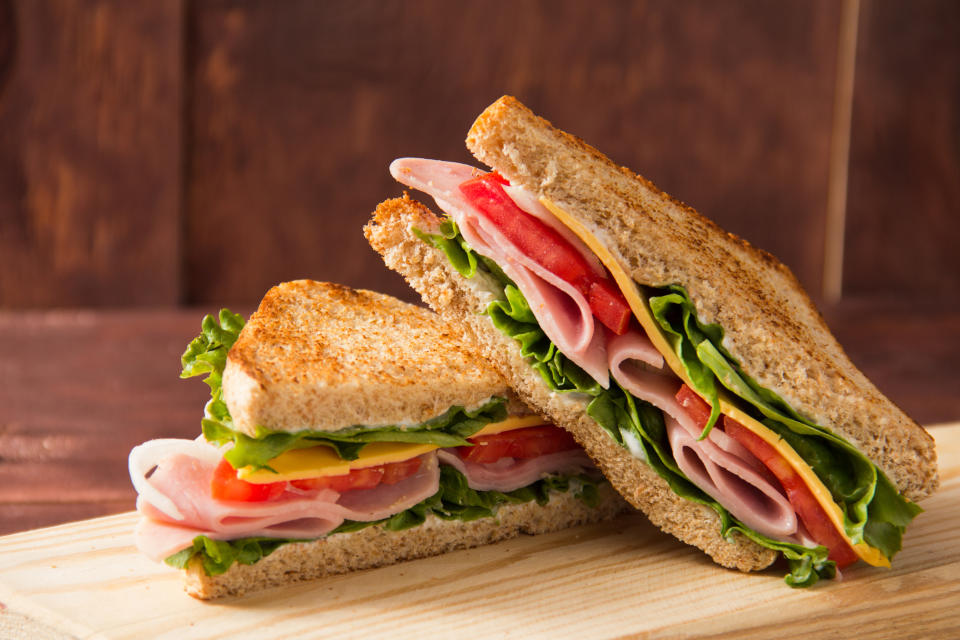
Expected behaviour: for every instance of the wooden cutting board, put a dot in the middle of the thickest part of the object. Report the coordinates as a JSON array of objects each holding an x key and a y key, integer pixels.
[{"x": 86, "y": 580}]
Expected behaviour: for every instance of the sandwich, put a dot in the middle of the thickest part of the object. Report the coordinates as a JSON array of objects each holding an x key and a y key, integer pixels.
[
  {"x": 691, "y": 366},
  {"x": 349, "y": 430}
]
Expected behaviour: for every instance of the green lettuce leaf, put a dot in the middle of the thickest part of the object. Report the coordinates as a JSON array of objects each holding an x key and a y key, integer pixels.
[
  {"x": 449, "y": 240},
  {"x": 454, "y": 500},
  {"x": 450, "y": 429},
  {"x": 219, "y": 555},
  {"x": 686, "y": 335},
  {"x": 207, "y": 354}
]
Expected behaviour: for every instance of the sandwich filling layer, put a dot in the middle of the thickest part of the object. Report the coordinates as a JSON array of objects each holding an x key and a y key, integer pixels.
[
  {"x": 196, "y": 503},
  {"x": 660, "y": 382}
]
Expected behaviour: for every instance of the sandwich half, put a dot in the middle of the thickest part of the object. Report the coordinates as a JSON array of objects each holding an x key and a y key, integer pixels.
[
  {"x": 349, "y": 430},
  {"x": 691, "y": 366}
]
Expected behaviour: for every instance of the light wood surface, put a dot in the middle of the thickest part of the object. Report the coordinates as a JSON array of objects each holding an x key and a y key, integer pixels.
[{"x": 85, "y": 580}]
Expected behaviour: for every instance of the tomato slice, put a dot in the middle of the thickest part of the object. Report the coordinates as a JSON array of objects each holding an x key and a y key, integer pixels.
[
  {"x": 521, "y": 444},
  {"x": 227, "y": 486},
  {"x": 493, "y": 175},
  {"x": 696, "y": 407},
  {"x": 364, "y": 478},
  {"x": 609, "y": 306},
  {"x": 394, "y": 472},
  {"x": 811, "y": 513},
  {"x": 549, "y": 249}
]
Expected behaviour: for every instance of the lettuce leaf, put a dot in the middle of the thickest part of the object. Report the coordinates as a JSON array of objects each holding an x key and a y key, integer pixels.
[
  {"x": 454, "y": 500},
  {"x": 207, "y": 354},
  {"x": 874, "y": 511},
  {"x": 219, "y": 555},
  {"x": 686, "y": 334},
  {"x": 450, "y": 429}
]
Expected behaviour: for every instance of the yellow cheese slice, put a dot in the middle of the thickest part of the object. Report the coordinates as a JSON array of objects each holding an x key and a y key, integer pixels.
[
  {"x": 319, "y": 461},
  {"x": 641, "y": 309}
]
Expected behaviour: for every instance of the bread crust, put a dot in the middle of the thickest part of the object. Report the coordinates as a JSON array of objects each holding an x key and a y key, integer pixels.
[
  {"x": 771, "y": 326},
  {"x": 377, "y": 547},
  {"x": 447, "y": 292},
  {"x": 322, "y": 357}
]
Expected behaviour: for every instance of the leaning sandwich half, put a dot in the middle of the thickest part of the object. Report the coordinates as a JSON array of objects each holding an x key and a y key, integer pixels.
[
  {"x": 692, "y": 367},
  {"x": 348, "y": 430}
]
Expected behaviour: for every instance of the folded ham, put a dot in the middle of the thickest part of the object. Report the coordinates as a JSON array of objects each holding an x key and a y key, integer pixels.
[
  {"x": 508, "y": 474},
  {"x": 184, "y": 479}
]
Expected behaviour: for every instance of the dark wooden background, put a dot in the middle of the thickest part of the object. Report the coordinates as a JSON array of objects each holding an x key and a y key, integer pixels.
[
  {"x": 174, "y": 152},
  {"x": 161, "y": 159}
]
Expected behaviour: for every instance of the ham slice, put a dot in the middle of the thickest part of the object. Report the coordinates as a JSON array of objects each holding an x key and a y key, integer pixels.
[
  {"x": 561, "y": 311},
  {"x": 508, "y": 474},
  {"x": 719, "y": 465},
  {"x": 746, "y": 494},
  {"x": 184, "y": 480}
]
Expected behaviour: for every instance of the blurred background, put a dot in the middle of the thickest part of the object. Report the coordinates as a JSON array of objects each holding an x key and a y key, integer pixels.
[{"x": 159, "y": 160}]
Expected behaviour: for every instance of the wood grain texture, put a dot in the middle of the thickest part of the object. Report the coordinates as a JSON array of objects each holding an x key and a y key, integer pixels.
[
  {"x": 614, "y": 580},
  {"x": 89, "y": 152},
  {"x": 295, "y": 115},
  {"x": 77, "y": 392},
  {"x": 907, "y": 350},
  {"x": 903, "y": 226}
]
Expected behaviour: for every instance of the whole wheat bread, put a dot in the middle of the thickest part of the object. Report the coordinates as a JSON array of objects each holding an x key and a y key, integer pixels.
[{"x": 322, "y": 357}]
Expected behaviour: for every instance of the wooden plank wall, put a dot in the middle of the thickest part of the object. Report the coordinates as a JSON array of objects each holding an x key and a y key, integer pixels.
[
  {"x": 903, "y": 219},
  {"x": 177, "y": 152},
  {"x": 90, "y": 153}
]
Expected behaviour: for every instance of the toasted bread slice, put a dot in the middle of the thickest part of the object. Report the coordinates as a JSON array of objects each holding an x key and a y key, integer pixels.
[
  {"x": 771, "y": 326},
  {"x": 431, "y": 275},
  {"x": 377, "y": 547},
  {"x": 322, "y": 357}
]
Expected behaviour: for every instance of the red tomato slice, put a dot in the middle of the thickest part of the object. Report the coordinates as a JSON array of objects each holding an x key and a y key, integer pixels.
[
  {"x": 365, "y": 478},
  {"x": 697, "y": 408},
  {"x": 227, "y": 486},
  {"x": 522, "y": 444},
  {"x": 499, "y": 178},
  {"x": 607, "y": 303},
  {"x": 549, "y": 249},
  {"x": 394, "y": 472},
  {"x": 813, "y": 516}
]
